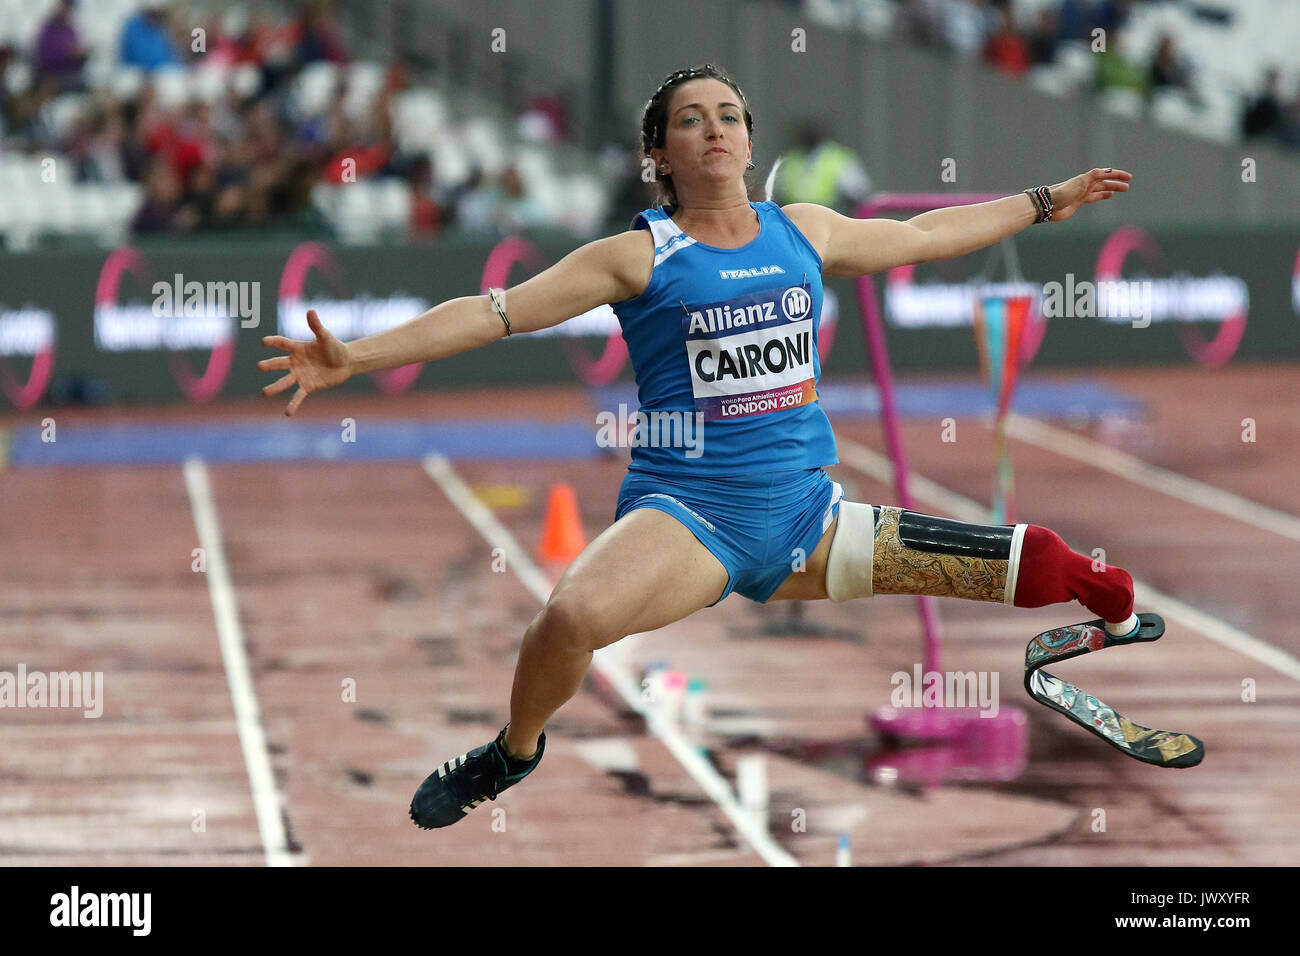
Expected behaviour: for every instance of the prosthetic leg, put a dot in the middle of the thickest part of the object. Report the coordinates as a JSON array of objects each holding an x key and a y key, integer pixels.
[
  {"x": 1163, "y": 748},
  {"x": 888, "y": 550}
]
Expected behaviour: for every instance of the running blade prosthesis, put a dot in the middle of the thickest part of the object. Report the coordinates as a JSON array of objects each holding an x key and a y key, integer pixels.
[{"x": 1164, "y": 748}]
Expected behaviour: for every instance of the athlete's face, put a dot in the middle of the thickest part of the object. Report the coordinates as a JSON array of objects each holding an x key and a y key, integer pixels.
[{"x": 706, "y": 139}]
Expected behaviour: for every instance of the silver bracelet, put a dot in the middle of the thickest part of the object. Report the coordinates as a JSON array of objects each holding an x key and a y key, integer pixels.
[{"x": 492, "y": 294}]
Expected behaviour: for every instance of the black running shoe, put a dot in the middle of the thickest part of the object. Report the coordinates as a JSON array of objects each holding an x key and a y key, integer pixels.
[{"x": 461, "y": 784}]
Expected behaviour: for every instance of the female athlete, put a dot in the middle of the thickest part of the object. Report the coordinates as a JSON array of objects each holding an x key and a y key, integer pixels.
[{"x": 719, "y": 300}]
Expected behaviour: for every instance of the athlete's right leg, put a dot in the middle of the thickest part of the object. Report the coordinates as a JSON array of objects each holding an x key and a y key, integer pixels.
[{"x": 643, "y": 572}]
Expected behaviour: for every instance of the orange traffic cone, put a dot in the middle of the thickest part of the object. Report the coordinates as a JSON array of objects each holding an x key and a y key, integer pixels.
[{"x": 562, "y": 537}]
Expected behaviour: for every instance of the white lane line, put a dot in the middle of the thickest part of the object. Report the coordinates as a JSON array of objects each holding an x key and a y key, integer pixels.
[
  {"x": 1134, "y": 469},
  {"x": 248, "y": 721},
  {"x": 606, "y": 663},
  {"x": 877, "y": 466}
]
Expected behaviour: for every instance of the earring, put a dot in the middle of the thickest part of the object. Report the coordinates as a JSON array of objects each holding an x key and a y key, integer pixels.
[{"x": 750, "y": 165}]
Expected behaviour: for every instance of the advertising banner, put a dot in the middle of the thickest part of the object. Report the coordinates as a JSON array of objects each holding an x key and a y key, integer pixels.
[{"x": 183, "y": 321}]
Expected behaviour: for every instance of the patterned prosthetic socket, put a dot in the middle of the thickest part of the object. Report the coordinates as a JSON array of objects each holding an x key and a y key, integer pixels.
[
  {"x": 886, "y": 550},
  {"x": 923, "y": 554},
  {"x": 910, "y": 553}
]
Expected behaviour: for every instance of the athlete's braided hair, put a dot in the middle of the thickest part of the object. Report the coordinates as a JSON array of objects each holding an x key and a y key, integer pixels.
[{"x": 654, "y": 119}]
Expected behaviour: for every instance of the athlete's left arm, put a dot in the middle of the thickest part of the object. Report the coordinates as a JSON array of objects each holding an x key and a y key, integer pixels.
[{"x": 854, "y": 247}]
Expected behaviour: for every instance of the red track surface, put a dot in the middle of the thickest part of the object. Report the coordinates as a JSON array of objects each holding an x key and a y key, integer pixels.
[{"x": 368, "y": 572}]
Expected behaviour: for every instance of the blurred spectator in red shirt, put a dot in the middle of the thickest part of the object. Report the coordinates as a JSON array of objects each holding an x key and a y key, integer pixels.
[
  {"x": 548, "y": 112},
  {"x": 426, "y": 214},
  {"x": 1006, "y": 49},
  {"x": 234, "y": 38},
  {"x": 368, "y": 154}
]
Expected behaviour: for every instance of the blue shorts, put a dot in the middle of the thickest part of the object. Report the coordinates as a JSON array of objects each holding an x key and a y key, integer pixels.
[{"x": 760, "y": 527}]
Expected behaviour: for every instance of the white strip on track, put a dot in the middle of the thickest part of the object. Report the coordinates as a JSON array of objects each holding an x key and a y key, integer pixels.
[
  {"x": 877, "y": 466},
  {"x": 607, "y": 664},
  {"x": 248, "y": 721},
  {"x": 1134, "y": 469}
]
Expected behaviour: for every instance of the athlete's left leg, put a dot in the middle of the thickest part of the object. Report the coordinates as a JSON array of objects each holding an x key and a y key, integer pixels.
[{"x": 886, "y": 550}]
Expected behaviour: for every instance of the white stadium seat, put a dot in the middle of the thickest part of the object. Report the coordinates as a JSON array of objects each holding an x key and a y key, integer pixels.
[
  {"x": 365, "y": 80},
  {"x": 486, "y": 144},
  {"x": 314, "y": 88},
  {"x": 356, "y": 220},
  {"x": 172, "y": 86},
  {"x": 534, "y": 165},
  {"x": 394, "y": 202},
  {"x": 877, "y": 17},
  {"x": 1051, "y": 79},
  {"x": 124, "y": 200},
  {"x": 60, "y": 210},
  {"x": 419, "y": 118},
  {"x": 25, "y": 20},
  {"x": 127, "y": 82},
  {"x": 64, "y": 111},
  {"x": 584, "y": 202},
  {"x": 451, "y": 161},
  {"x": 18, "y": 78},
  {"x": 324, "y": 199},
  {"x": 246, "y": 80},
  {"x": 93, "y": 208},
  {"x": 210, "y": 81},
  {"x": 1078, "y": 61},
  {"x": 1123, "y": 102},
  {"x": 1172, "y": 108}
]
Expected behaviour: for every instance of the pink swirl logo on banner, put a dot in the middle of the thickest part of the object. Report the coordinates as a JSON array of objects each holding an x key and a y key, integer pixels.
[
  {"x": 1295, "y": 283},
  {"x": 1031, "y": 337},
  {"x": 1110, "y": 264},
  {"x": 293, "y": 280},
  {"x": 496, "y": 275},
  {"x": 23, "y": 395},
  {"x": 200, "y": 388}
]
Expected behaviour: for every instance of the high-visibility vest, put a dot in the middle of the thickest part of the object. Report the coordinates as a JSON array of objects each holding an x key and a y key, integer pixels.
[{"x": 815, "y": 181}]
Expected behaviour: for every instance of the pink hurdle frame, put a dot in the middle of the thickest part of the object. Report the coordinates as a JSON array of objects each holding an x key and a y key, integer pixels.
[{"x": 874, "y": 329}]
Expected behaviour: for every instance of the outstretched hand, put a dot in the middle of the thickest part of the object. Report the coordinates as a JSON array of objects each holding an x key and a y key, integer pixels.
[
  {"x": 1092, "y": 186},
  {"x": 311, "y": 365}
]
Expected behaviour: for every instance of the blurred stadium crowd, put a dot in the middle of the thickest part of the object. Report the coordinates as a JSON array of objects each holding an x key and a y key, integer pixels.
[
  {"x": 1221, "y": 69},
  {"x": 182, "y": 116},
  {"x": 151, "y": 117}
]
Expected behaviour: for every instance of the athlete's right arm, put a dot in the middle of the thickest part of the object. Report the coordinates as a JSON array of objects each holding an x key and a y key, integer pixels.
[
  {"x": 603, "y": 271},
  {"x": 607, "y": 270}
]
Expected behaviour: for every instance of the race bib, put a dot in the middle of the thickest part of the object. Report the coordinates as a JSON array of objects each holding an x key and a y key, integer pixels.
[{"x": 752, "y": 354}]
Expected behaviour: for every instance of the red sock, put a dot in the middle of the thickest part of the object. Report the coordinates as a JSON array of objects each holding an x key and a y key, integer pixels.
[{"x": 1050, "y": 573}]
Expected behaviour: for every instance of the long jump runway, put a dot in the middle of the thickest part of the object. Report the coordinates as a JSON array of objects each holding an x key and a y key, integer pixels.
[{"x": 380, "y": 637}]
